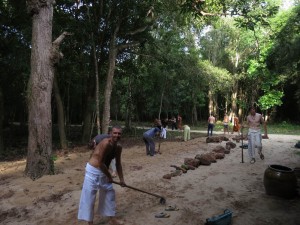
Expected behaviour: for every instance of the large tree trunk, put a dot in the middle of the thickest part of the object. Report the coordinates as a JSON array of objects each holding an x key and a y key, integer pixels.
[
  {"x": 39, "y": 91},
  {"x": 60, "y": 115},
  {"x": 44, "y": 54}
]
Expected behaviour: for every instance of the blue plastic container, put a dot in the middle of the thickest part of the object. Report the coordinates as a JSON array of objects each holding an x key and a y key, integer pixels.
[{"x": 224, "y": 219}]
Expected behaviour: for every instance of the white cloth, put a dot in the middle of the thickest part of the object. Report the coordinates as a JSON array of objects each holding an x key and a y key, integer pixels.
[
  {"x": 113, "y": 165},
  {"x": 186, "y": 133},
  {"x": 95, "y": 180},
  {"x": 254, "y": 140},
  {"x": 163, "y": 133}
]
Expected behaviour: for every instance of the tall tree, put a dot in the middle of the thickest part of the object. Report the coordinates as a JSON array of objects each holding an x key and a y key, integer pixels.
[
  {"x": 60, "y": 115},
  {"x": 44, "y": 55}
]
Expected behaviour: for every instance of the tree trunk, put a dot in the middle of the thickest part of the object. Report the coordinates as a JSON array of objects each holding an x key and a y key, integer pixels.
[
  {"x": 234, "y": 98},
  {"x": 129, "y": 106},
  {"x": 39, "y": 91},
  {"x": 97, "y": 94},
  {"x": 60, "y": 115},
  {"x": 90, "y": 104},
  {"x": 161, "y": 101},
  {"x": 44, "y": 54},
  {"x": 88, "y": 122},
  {"x": 113, "y": 50},
  {"x": 210, "y": 102},
  {"x": 194, "y": 115}
]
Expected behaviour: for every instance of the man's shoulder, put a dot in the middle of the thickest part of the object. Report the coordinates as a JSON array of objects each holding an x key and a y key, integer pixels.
[
  {"x": 258, "y": 115},
  {"x": 105, "y": 141}
]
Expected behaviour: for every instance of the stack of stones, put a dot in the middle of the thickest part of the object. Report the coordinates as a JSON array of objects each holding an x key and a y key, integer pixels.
[{"x": 205, "y": 159}]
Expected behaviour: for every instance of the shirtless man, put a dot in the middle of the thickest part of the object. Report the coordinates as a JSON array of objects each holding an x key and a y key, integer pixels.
[
  {"x": 95, "y": 141},
  {"x": 211, "y": 123},
  {"x": 97, "y": 177},
  {"x": 254, "y": 135},
  {"x": 225, "y": 123}
]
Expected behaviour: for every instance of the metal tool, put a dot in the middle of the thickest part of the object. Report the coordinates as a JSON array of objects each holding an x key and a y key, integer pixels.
[{"x": 162, "y": 200}]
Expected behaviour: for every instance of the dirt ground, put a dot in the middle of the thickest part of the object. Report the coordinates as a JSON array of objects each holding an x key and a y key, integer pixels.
[{"x": 199, "y": 194}]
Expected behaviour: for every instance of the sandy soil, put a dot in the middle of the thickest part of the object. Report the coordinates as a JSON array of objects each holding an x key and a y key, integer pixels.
[{"x": 199, "y": 194}]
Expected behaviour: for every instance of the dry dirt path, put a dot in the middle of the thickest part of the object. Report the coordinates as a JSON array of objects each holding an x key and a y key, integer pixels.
[{"x": 199, "y": 194}]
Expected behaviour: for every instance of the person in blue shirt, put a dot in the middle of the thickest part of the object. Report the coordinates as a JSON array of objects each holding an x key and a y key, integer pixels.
[{"x": 148, "y": 138}]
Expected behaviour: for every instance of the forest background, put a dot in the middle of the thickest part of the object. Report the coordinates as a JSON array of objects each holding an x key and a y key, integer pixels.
[{"x": 67, "y": 64}]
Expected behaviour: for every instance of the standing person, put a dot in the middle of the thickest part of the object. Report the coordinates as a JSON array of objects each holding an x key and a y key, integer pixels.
[
  {"x": 174, "y": 124},
  {"x": 186, "y": 133},
  {"x": 236, "y": 124},
  {"x": 163, "y": 133},
  {"x": 148, "y": 139},
  {"x": 254, "y": 120},
  {"x": 211, "y": 123},
  {"x": 225, "y": 123},
  {"x": 179, "y": 122},
  {"x": 97, "y": 177}
]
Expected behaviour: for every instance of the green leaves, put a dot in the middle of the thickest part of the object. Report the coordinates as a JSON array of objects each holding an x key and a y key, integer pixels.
[{"x": 270, "y": 99}]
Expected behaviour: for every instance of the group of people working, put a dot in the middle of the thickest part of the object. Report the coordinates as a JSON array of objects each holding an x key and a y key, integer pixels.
[{"x": 107, "y": 148}]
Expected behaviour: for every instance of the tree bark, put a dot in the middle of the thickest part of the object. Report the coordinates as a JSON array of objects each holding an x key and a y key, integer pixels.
[
  {"x": 39, "y": 91},
  {"x": 44, "y": 54},
  {"x": 60, "y": 115},
  {"x": 110, "y": 75},
  {"x": 129, "y": 106},
  {"x": 97, "y": 87}
]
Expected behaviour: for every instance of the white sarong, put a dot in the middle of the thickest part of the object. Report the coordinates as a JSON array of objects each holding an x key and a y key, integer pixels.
[
  {"x": 163, "y": 133},
  {"x": 186, "y": 133},
  {"x": 95, "y": 180},
  {"x": 254, "y": 140}
]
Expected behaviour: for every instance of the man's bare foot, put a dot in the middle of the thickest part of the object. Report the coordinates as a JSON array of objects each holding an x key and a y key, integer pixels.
[
  {"x": 114, "y": 221},
  {"x": 114, "y": 174}
]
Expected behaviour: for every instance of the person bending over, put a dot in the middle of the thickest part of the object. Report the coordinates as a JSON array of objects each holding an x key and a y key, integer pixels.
[
  {"x": 148, "y": 138},
  {"x": 97, "y": 178}
]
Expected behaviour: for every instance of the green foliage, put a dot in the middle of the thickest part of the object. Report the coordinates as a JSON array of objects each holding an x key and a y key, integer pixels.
[
  {"x": 283, "y": 57},
  {"x": 179, "y": 57},
  {"x": 270, "y": 99},
  {"x": 284, "y": 128}
]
